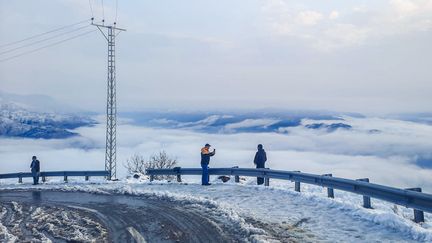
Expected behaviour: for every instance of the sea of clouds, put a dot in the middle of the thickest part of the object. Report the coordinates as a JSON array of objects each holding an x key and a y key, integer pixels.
[{"x": 388, "y": 151}]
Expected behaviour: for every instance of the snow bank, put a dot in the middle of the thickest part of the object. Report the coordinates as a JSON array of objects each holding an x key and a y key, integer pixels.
[{"x": 324, "y": 218}]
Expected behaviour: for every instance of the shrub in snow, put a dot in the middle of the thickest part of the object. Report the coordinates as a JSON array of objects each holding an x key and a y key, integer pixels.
[{"x": 137, "y": 165}]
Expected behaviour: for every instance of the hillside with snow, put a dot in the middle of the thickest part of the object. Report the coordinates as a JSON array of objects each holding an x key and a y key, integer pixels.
[{"x": 21, "y": 117}]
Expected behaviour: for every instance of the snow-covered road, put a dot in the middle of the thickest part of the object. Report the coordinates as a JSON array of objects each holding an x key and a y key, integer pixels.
[
  {"x": 275, "y": 213},
  {"x": 57, "y": 216}
]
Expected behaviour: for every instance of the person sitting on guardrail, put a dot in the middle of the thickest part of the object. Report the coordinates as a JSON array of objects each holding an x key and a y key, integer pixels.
[
  {"x": 205, "y": 160},
  {"x": 35, "y": 168},
  {"x": 259, "y": 161}
]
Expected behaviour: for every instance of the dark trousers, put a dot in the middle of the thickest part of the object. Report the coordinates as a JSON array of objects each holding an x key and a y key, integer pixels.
[
  {"x": 35, "y": 178},
  {"x": 260, "y": 180},
  {"x": 205, "y": 174}
]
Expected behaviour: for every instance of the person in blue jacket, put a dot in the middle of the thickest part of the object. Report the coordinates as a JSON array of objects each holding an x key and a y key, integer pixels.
[
  {"x": 205, "y": 160},
  {"x": 259, "y": 161},
  {"x": 35, "y": 168}
]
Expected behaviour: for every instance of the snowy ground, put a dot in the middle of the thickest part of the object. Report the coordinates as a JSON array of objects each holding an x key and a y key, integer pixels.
[{"x": 270, "y": 213}]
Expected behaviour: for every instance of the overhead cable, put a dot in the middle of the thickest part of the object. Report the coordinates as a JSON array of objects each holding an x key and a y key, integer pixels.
[
  {"x": 91, "y": 8},
  {"x": 44, "y": 33},
  {"x": 47, "y": 46},
  {"x": 103, "y": 11},
  {"x": 43, "y": 40},
  {"x": 115, "y": 20}
]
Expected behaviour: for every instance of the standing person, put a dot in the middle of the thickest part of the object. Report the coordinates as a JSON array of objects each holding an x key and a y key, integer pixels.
[
  {"x": 205, "y": 160},
  {"x": 35, "y": 168},
  {"x": 259, "y": 161}
]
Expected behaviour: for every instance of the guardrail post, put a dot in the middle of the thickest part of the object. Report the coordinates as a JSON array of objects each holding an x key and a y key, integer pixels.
[
  {"x": 151, "y": 177},
  {"x": 236, "y": 177},
  {"x": 297, "y": 186},
  {"x": 65, "y": 178},
  {"x": 43, "y": 178},
  {"x": 330, "y": 191},
  {"x": 87, "y": 177},
  {"x": 366, "y": 199},
  {"x": 418, "y": 214},
  {"x": 20, "y": 178},
  {"x": 296, "y": 183},
  {"x": 177, "y": 170},
  {"x": 266, "y": 179}
]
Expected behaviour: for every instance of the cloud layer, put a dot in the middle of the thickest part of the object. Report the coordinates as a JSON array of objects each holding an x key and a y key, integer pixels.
[{"x": 387, "y": 157}]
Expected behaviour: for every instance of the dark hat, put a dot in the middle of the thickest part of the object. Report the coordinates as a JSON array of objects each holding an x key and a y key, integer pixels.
[
  {"x": 207, "y": 145},
  {"x": 34, "y": 157}
]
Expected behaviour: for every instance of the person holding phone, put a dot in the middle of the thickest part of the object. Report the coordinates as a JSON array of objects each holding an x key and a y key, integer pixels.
[{"x": 205, "y": 160}]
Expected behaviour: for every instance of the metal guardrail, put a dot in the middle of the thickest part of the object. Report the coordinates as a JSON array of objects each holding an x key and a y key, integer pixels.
[
  {"x": 410, "y": 198},
  {"x": 65, "y": 174}
]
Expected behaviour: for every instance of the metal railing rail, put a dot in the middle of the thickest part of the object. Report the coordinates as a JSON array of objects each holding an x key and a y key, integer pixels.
[
  {"x": 65, "y": 174},
  {"x": 410, "y": 198}
]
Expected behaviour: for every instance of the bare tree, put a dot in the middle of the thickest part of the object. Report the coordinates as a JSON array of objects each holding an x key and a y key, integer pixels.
[
  {"x": 137, "y": 164},
  {"x": 161, "y": 161}
]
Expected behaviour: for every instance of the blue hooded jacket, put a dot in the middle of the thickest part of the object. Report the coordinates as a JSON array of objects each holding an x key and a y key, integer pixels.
[
  {"x": 35, "y": 166},
  {"x": 260, "y": 157}
]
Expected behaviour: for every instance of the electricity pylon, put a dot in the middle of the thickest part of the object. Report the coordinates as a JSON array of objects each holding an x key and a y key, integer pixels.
[{"x": 110, "y": 33}]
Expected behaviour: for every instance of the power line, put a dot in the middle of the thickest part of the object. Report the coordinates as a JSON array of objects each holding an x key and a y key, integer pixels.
[
  {"x": 47, "y": 46},
  {"x": 44, "y": 33},
  {"x": 43, "y": 40},
  {"x": 91, "y": 9},
  {"x": 103, "y": 11},
  {"x": 115, "y": 20}
]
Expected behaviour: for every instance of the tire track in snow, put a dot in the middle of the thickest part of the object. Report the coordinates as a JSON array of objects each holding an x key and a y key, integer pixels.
[{"x": 77, "y": 216}]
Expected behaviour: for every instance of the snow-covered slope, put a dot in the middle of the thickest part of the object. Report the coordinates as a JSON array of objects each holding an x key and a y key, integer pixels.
[
  {"x": 17, "y": 121},
  {"x": 275, "y": 213}
]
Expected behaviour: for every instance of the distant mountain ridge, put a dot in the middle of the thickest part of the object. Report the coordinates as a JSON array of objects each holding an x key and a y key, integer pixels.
[
  {"x": 20, "y": 119},
  {"x": 234, "y": 122}
]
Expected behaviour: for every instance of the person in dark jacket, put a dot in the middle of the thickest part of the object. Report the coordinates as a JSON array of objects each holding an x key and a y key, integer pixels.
[
  {"x": 35, "y": 169},
  {"x": 205, "y": 160},
  {"x": 259, "y": 161}
]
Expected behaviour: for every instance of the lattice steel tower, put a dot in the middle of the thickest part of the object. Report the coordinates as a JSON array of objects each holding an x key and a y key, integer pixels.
[{"x": 110, "y": 33}]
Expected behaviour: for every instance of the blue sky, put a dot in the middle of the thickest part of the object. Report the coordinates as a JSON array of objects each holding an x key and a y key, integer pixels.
[{"x": 358, "y": 56}]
